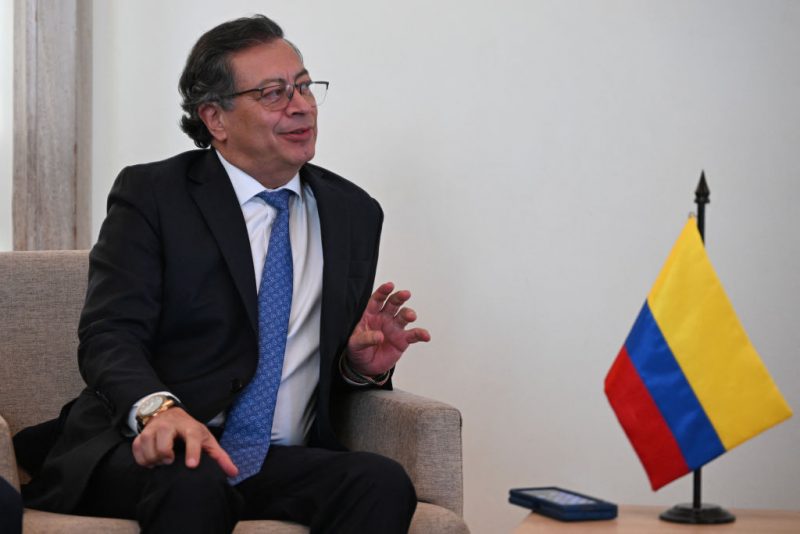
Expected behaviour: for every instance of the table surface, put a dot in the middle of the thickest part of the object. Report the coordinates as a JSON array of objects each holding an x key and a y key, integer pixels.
[{"x": 644, "y": 519}]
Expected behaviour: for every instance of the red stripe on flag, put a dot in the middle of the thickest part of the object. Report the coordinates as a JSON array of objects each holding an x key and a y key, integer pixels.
[{"x": 643, "y": 423}]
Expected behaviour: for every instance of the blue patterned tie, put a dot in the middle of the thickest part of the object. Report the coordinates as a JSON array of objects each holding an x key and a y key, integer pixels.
[{"x": 248, "y": 426}]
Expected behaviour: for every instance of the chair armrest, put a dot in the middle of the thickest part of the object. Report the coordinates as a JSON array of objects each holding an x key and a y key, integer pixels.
[
  {"x": 423, "y": 435},
  {"x": 8, "y": 462}
]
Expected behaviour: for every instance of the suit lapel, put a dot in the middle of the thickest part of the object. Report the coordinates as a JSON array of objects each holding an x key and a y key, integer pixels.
[{"x": 213, "y": 193}]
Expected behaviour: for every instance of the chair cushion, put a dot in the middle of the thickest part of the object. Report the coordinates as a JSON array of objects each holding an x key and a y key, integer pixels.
[{"x": 428, "y": 518}]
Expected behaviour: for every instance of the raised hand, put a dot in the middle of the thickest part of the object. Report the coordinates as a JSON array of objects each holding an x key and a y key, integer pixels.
[{"x": 380, "y": 337}]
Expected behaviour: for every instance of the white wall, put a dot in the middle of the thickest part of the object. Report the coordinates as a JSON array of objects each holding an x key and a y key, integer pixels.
[
  {"x": 6, "y": 120},
  {"x": 536, "y": 161}
]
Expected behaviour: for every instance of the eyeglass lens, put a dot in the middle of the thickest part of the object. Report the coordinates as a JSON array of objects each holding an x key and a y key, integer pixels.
[{"x": 278, "y": 96}]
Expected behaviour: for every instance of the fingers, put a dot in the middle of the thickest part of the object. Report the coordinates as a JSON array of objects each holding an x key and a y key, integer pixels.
[
  {"x": 164, "y": 453},
  {"x": 405, "y": 316},
  {"x": 154, "y": 446},
  {"x": 384, "y": 301},
  {"x": 219, "y": 455},
  {"x": 200, "y": 440},
  {"x": 194, "y": 447},
  {"x": 395, "y": 301},
  {"x": 156, "y": 443},
  {"x": 416, "y": 335},
  {"x": 138, "y": 454},
  {"x": 377, "y": 299}
]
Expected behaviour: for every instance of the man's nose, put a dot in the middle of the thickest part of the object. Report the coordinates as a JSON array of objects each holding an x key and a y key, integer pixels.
[{"x": 298, "y": 104}]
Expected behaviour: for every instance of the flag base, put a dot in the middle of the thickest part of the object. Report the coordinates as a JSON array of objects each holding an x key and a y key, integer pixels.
[{"x": 707, "y": 514}]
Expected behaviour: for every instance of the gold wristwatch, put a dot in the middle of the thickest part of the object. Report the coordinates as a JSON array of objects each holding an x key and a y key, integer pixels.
[{"x": 153, "y": 406}]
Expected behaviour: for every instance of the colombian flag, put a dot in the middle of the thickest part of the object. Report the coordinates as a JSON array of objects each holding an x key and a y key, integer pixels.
[{"x": 687, "y": 385}]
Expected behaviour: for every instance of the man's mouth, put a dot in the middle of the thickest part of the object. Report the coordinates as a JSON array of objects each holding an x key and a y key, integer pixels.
[
  {"x": 298, "y": 131},
  {"x": 298, "y": 134}
]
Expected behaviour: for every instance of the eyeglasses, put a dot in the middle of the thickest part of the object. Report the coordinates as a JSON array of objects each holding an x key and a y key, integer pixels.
[{"x": 277, "y": 96}]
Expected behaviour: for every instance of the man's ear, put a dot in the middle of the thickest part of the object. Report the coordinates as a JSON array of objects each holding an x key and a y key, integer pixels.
[{"x": 211, "y": 115}]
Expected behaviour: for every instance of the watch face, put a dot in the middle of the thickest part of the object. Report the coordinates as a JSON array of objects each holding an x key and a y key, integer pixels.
[{"x": 151, "y": 405}]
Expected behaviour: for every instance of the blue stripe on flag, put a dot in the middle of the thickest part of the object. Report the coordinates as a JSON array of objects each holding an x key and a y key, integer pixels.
[{"x": 663, "y": 377}]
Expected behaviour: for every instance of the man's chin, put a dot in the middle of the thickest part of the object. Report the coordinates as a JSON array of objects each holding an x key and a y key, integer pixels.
[{"x": 305, "y": 156}]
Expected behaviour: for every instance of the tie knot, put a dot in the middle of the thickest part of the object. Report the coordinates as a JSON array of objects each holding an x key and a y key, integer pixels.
[{"x": 277, "y": 199}]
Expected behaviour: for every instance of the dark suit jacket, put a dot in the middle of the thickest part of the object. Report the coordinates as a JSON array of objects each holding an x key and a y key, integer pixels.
[{"x": 171, "y": 305}]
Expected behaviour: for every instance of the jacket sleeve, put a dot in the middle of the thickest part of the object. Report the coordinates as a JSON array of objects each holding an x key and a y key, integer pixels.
[
  {"x": 375, "y": 223},
  {"x": 120, "y": 317}
]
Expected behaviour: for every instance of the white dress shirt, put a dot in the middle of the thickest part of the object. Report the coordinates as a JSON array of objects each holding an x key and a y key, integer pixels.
[{"x": 295, "y": 407}]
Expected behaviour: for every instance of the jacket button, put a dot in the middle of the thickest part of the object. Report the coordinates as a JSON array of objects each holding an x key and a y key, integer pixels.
[{"x": 236, "y": 385}]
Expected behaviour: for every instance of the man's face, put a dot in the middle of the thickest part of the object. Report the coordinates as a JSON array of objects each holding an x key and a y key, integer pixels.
[{"x": 269, "y": 145}]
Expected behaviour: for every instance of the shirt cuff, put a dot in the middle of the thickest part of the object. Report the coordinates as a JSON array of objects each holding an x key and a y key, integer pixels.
[
  {"x": 354, "y": 378},
  {"x": 132, "y": 424}
]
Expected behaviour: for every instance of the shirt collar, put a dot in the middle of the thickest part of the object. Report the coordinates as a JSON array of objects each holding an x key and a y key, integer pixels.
[{"x": 246, "y": 187}]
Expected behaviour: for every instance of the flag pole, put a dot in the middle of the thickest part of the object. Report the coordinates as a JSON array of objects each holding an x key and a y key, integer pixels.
[{"x": 697, "y": 512}]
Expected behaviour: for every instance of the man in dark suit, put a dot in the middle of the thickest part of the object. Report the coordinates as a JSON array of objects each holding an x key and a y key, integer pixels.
[
  {"x": 10, "y": 509},
  {"x": 184, "y": 283}
]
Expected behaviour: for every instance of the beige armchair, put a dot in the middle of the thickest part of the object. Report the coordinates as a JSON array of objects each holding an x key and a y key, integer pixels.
[{"x": 41, "y": 295}]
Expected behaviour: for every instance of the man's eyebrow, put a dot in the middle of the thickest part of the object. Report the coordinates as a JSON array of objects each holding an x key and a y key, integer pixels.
[{"x": 301, "y": 73}]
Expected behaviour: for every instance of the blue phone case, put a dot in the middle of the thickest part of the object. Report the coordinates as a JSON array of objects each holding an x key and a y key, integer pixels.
[{"x": 562, "y": 504}]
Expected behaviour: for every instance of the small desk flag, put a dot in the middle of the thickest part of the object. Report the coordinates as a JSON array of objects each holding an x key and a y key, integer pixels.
[{"x": 687, "y": 384}]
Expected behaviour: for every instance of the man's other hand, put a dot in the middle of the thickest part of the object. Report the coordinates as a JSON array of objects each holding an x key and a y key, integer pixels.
[
  {"x": 380, "y": 338},
  {"x": 155, "y": 445}
]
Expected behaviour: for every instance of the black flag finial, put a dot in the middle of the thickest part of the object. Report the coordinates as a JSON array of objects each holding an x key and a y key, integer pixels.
[
  {"x": 702, "y": 194},
  {"x": 701, "y": 198}
]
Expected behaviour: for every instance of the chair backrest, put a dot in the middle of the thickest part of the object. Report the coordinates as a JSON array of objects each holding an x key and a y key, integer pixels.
[{"x": 41, "y": 296}]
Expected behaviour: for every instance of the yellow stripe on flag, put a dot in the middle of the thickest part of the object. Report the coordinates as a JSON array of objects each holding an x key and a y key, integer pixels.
[{"x": 710, "y": 345}]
